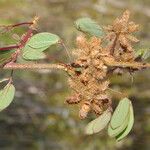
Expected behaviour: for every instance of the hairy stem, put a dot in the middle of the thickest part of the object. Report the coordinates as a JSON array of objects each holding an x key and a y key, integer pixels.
[
  {"x": 34, "y": 66},
  {"x": 132, "y": 65},
  {"x": 65, "y": 67}
]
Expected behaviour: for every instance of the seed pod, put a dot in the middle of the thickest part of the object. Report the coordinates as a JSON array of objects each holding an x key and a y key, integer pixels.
[
  {"x": 75, "y": 99},
  {"x": 85, "y": 108},
  {"x": 102, "y": 96},
  {"x": 105, "y": 101},
  {"x": 97, "y": 109}
]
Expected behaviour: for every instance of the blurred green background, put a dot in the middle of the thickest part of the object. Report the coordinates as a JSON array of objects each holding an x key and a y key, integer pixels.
[{"x": 38, "y": 119}]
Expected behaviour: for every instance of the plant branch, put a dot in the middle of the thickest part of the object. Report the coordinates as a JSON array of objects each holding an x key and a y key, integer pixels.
[
  {"x": 113, "y": 45},
  {"x": 11, "y": 47},
  {"x": 26, "y": 36},
  {"x": 16, "y": 25},
  {"x": 133, "y": 65},
  {"x": 31, "y": 24},
  {"x": 21, "y": 44},
  {"x": 65, "y": 67},
  {"x": 33, "y": 66}
]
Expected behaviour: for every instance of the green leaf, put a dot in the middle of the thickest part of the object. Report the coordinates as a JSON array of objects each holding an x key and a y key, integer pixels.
[
  {"x": 32, "y": 54},
  {"x": 5, "y": 55},
  {"x": 99, "y": 123},
  {"x": 89, "y": 26},
  {"x": 120, "y": 113},
  {"x": 129, "y": 127},
  {"x": 34, "y": 48},
  {"x": 142, "y": 53},
  {"x": 114, "y": 132},
  {"x": 6, "y": 96},
  {"x": 42, "y": 41}
]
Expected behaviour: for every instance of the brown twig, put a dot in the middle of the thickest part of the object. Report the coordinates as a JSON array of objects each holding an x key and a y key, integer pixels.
[
  {"x": 25, "y": 37},
  {"x": 21, "y": 44},
  {"x": 9, "y": 47},
  {"x": 35, "y": 66},
  {"x": 16, "y": 25},
  {"x": 132, "y": 65},
  {"x": 113, "y": 45}
]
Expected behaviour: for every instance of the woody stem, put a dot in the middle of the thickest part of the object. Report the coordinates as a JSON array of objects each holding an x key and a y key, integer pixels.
[
  {"x": 34, "y": 66},
  {"x": 132, "y": 65}
]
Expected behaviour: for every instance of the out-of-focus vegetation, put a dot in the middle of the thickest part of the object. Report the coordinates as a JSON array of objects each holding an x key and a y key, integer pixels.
[{"x": 38, "y": 117}]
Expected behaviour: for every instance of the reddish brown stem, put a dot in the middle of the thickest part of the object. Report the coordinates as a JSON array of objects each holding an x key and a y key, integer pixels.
[
  {"x": 16, "y": 25},
  {"x": 21, "y": 44},
  {"x": 26, "y": 37},
  {"x": 9, "y": 48},
  {"x": 20, "y": 24}
]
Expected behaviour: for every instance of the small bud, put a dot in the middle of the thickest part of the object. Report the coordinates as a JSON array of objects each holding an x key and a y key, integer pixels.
[{"x": 73, "y": 99}]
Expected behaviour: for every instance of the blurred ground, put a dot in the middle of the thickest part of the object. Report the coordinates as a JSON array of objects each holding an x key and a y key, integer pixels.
[{"x": 38, "y": 119}]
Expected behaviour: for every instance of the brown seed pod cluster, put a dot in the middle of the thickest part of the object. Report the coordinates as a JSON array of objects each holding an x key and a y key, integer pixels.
[
  {"x": 89, "y": 80},
  {"x": 120, "y": 35},
  {"x": 90, "y": 74}
]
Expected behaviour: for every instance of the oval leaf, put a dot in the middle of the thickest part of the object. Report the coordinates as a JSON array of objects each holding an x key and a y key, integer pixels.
[
  {"x": 129, "y": 127},
  {"x": 99, "y": 123},
  {"x": 5, "y": 55},
  {"x": 33, "y": 54},
  {"x": 89, "y": 26},
  {"x": 120, "y": 113},
  {"x": 6, "y": 96},
  {"x": 34, "y": 48},
  {"x": 115, "y": 132},
  {"x": 43, "y": 40}
]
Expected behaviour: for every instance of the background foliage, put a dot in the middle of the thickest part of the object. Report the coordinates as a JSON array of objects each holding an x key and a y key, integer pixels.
[{"x": 38, "y": 117}]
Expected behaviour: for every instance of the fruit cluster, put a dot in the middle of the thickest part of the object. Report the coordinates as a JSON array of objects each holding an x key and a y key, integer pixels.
[
  {"x": 90, "y": 77},
  {"x": 89, "y": 80}
]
